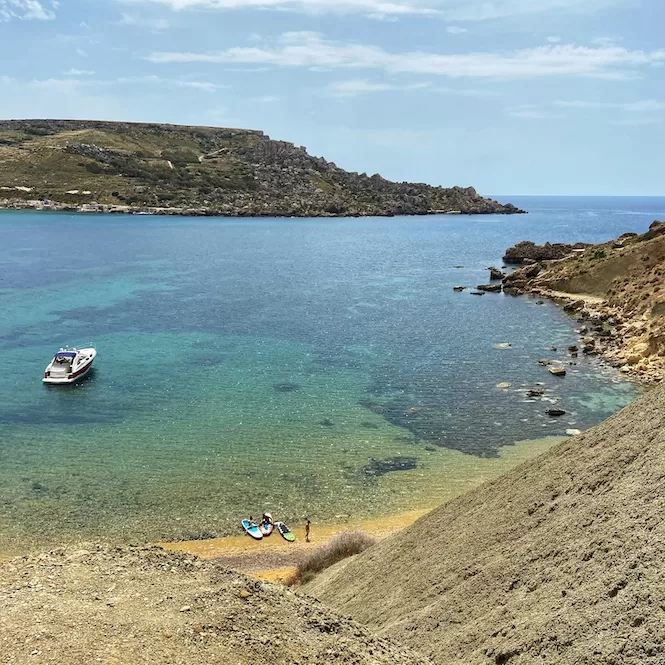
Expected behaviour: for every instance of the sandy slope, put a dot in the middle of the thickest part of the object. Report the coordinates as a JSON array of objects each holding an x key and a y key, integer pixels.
[
  {"x": 560, "y": 561},
  {"x": 144, "y": 605}
]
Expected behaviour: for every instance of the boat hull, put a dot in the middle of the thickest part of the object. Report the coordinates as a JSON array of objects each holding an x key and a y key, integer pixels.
[{"x": 74, "y": 376}]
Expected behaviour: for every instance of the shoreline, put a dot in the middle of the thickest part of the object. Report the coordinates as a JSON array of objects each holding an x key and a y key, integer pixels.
[
  {"x": 273, "y": 558},
  {"x": 592, "y": 312},
  {"x": 613, "y": 289},
  {"x": 18, "y": 205}
]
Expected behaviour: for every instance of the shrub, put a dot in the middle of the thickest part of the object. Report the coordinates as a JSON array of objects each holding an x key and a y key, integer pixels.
[{"x": 344, "y": 545}]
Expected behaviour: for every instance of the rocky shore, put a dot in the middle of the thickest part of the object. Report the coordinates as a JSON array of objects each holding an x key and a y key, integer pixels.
[
  {"x": 114, "y": 167},
  {"x": 615, "y": 290}
]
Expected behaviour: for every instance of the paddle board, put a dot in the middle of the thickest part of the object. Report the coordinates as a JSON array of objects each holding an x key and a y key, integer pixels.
[
  {"x": 251, "y": 529},
  {"x": 284, "y": 530}
]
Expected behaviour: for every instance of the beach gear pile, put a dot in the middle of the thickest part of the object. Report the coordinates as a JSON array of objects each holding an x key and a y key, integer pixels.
[{"x": 265, "y": 527}]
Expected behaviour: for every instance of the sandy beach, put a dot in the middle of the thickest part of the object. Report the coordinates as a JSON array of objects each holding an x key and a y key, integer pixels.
[{"x": 274, "y": 558}]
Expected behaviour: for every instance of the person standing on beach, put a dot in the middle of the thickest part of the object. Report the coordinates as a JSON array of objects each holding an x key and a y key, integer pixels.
[{"x": 307, "y": 525}]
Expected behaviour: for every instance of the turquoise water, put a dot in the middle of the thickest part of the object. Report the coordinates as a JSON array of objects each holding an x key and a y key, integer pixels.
[{"x": 320, "y": 368}]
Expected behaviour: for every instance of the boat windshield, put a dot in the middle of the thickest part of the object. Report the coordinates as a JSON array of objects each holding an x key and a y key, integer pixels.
[{"x": 65, "y": 356}]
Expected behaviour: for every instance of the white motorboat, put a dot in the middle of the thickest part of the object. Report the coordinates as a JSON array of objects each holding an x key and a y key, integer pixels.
[{"x": 69, "y": 365}]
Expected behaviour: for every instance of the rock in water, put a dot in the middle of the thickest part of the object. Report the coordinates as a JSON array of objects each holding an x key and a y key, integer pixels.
[
  {"x": 496, "y": 274},
  {"x": 555, "y": 412},
  {"x": 557, "y": 371},
  {"x": 459, "y": 288},
  {"x": 493, "y": 288}
]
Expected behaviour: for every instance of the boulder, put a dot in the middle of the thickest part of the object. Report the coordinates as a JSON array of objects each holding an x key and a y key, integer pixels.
[
  {"x": 527, "y": 251},
  {"x": 493, "y": 288},
  {"x": 477, "y": 293},
  {"x": 496, "y": 274},
  {"x": 535, "y": 392},
  {"x": 574, "y": 306},
  {"x": 555, "y": 412},
  {"x": 459, "y": 288},
  {"x": 557, "y": 371}
]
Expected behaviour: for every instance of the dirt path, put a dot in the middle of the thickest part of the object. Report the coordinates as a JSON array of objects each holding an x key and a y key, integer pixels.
[{"x": 588, "y": 299}]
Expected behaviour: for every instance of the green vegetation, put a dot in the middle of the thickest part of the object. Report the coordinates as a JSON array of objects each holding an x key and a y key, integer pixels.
[{"x": 198, "y": 170}]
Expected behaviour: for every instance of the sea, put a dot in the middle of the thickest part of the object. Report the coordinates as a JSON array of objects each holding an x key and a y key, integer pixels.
[{"x": 313, "y": 368}]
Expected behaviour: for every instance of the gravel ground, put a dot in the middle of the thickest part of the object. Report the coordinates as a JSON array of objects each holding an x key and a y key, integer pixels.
[{"x": 117, "y": 605}]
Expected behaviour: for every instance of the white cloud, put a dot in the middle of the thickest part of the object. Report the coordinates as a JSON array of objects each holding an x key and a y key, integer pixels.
[
  {"x": 265, "y": 99},
  {"x": 604, "y": 41},
  {"x": 554, "y": 39},
  {"x": 308, "y": 49},
  {"x": 205, "y": 86},
  {"x": 78, "y": 72},
  {"x": 449, "y": 10},
  {"x": 81, "y": 52},
  {"x": 531, "y": 112},
  {"x": 455, "y": 30},
  {"x": 156, "y": 25},
  {"x": 356, "y": 87},
  {"x": 641, "y": 106},
  {"x": 27, "y": 9}
]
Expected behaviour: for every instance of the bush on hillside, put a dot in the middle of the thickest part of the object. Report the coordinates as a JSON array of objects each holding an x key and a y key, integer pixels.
[{"x": 344, "y": 545}]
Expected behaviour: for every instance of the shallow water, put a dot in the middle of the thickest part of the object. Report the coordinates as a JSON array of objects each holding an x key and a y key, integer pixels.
[{"x": 311, "y": 367}]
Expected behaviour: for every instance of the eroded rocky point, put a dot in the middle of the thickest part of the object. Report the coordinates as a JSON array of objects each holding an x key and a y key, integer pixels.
[
  {"x": 94, "y": 166},
  {"x": 615, "y": 289}
]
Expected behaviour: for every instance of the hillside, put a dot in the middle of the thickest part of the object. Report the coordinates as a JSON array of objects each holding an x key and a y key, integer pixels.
[
  {"x": 615, "y": 289},
  {"x": 130, "y": 167},
  {"x": 561, "y": 561},
  {"x": 143, "y": 605}
]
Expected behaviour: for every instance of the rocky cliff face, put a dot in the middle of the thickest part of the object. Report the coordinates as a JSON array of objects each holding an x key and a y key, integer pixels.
[
  {"x": 199, "y": 170},
  {"x": 617, "y": 292},
  {"x": 528, "y": 252},
  {"x": 560, "y": 561}
]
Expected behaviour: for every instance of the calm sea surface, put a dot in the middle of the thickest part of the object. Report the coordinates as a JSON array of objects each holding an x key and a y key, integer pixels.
[{"x": 320, "y": 368}]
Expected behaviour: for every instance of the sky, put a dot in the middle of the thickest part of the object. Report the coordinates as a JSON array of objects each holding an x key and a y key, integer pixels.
[{"x": 509, "y": 96}]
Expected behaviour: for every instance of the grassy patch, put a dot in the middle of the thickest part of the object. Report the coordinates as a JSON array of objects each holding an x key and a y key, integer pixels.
[{"x": 341, "y": 547}]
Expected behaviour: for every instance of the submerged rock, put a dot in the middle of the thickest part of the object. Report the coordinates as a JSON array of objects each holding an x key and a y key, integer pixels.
[
  {"x": 379, "y": 467},
  {"x": 286, "y": 387},
  {"x": 492, "y": 288}
]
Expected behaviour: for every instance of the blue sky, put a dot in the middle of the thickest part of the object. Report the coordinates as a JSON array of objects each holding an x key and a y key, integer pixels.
[{"x": 510, "y": 96}]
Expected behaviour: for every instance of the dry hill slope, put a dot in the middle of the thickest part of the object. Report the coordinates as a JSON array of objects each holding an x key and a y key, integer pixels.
[
  {"x": 143, "y": 605},
  {"x": 119, "y": 166},
  {"x": 561, "y": 561}
]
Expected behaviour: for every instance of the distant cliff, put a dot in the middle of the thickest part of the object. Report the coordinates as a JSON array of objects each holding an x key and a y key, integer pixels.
[{"x": 172, "y": 169}]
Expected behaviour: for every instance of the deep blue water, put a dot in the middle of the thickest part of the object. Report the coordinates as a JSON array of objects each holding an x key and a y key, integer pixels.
[{"x": 198, "y": 322}]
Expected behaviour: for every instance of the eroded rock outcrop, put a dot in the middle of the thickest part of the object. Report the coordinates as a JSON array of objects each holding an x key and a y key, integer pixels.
[
  {"x": 617, "y": 290},
  {"x": 527, "y": 251}
]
